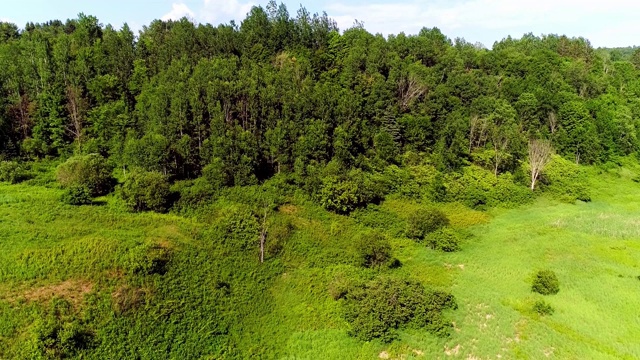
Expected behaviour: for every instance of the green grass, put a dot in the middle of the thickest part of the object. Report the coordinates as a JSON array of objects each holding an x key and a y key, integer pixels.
[{"x": 216, "y": 300}]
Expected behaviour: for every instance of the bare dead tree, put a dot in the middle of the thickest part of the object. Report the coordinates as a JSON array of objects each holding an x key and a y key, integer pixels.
[
  {"x": 500, "y": 145},
  {"x": 477, "y": 132},
  {"x": 263, "y": 234},
  {"x": 539, "y": 156},
  {"x": 553, "y": 122},
  {"x": 77, "y": 107},
  {"x": 410, "y": 89}
]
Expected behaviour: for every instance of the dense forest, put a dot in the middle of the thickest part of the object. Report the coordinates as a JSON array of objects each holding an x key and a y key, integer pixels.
[
  {"x": 272, "y": 145},
  {"x": 280, "y": 93}
]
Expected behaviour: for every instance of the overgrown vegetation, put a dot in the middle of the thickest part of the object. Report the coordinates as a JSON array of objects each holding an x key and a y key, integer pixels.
[
  {"x": 265, "y": 190},
  {"x": 543, "y": 308},
  {"x": 380, "y": 307},
  {"x": 89, "y": 171},
  {"x": 143, "y": 191},
  {"x": 424, "y": 222},
  {"x": 445, "y": 239},
  {"x": 77, "y": 195}
]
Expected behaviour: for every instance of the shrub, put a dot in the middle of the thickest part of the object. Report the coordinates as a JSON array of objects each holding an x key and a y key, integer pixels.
[
  {"x": 543, "y": 308},
  {"x": 193, "y": 193},
  {"x": 77, "y": 195},
  {"x": 91, "y": 171},
  {"x": 476, "y": 187},
  {"x": 57, "y": 334},
  {"x": 425, "y": 221},
  {"x": 373, "y": 250},
  {"x": 340, "y": 286},
  {"x": 445, "y": 239},
  {"x": 143, "y": 191},
  {"x": 546, "y": 283},
  {"x": 377, "y": 217},
  {"x": 566, "y": 180},
  {"x": 12, "y": 172},
  {"x": 238, "y": 228},
  {"x": 147, "y": 259},
  {"x": 280, "y": 230},
  {"x": 380, "y": 307},
  {"x": 344, "y": 194}
]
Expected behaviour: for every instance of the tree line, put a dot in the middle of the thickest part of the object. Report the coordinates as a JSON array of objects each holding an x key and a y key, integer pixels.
[{"x": 283, "y": 94}]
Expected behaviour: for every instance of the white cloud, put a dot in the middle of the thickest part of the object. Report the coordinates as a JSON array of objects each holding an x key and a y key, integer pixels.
[
  {"x": 222, "y": 11},
  {"x": 178, "y": 11},
  {"x": 606, "y": 23}
]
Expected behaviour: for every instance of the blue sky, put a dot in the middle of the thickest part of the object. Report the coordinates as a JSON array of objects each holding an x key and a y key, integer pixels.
[{"x": 604, "y": 23}]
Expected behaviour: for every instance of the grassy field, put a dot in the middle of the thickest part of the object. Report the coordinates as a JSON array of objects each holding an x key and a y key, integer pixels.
[{"x": 153, "y": 286}]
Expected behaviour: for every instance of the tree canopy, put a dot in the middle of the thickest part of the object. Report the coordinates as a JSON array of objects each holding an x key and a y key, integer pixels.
[{"x": 278, "y": 93}]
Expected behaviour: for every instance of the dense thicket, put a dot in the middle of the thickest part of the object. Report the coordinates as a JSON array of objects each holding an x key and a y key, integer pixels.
[{"x": 240, "y": 103}]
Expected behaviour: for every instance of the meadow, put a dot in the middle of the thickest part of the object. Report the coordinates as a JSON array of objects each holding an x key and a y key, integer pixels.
[{"x": 100, "y": 282}]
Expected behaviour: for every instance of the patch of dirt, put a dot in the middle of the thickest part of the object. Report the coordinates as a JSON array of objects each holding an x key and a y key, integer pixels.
[
  {"x": 384, "y": 355},
  {"x": 288, "y": 209},
  {"x": 126, "y": 298},
  {"x": 73, "y": 291},
  {"x": 548, "y": 352},
  {"x": 453, "y": 351},
  {"x": 418, "y": 352}
]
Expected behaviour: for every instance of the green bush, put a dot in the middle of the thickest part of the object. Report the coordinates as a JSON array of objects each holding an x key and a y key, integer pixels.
[
  {"x": 476, "y": 187},
  {"x": 445, "y": 239},
  {"x": 57, "y": 334},
  {"x": 546, "y": 283},
  {"x": 12, "y": 172},
  {"x": 279, "y": 232},
  {"x": 238, "y": 228},
  {"x": 77, "y": 195},
  {"x": 339, "y": 196},
  {"x": 543, "y": 308},
  {"x": 378, "y": 308},
  {"x": 91, "y": 171},
  {"x": 425, "y": 221},
  {"x": 373, "y": 250},
  {"x": 147, "y": 259},
  {"x": 193, "y": 193},
  {"x": 374, "y": 216},
  {"x": 144, "y": 191},
  {"x": 566, "y": 180}
]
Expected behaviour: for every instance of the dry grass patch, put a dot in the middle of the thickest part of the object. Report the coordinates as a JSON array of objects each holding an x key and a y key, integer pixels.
[{"x": 73, "y": 290}]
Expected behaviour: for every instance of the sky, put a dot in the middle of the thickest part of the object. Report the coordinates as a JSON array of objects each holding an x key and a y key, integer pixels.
[{"x": 611, "y": 23}]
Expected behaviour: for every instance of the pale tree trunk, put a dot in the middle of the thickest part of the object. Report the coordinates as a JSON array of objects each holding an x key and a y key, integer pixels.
[
  {"x": 410, "y": 89},
  {"x": 553, "y": 122},
  {"x": 539, "y": 156},
  {"x": 499, "y": 148},
  {"x": 77, "y": 107},
  {"x": 263, "y": 235}
]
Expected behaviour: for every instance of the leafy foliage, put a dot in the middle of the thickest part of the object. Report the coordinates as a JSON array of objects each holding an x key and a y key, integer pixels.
[
  {"x": 12, "y": 172},
  {"x": 77, "y": 195},
  {"x": 478, "y": 188},
  {"x": 91, "y": 171},
  {"x": 566, "y": 180},
  {"x": 543, "y": 308},
  {"x": 144, "y": 191},
  {"x": 378, "y": 308},
  {"x": 444, "y": 239},
  {"x": 425, "y": 221},
  {"x": 545, "y": 283},
  {"x": 373, "y": 250}
]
